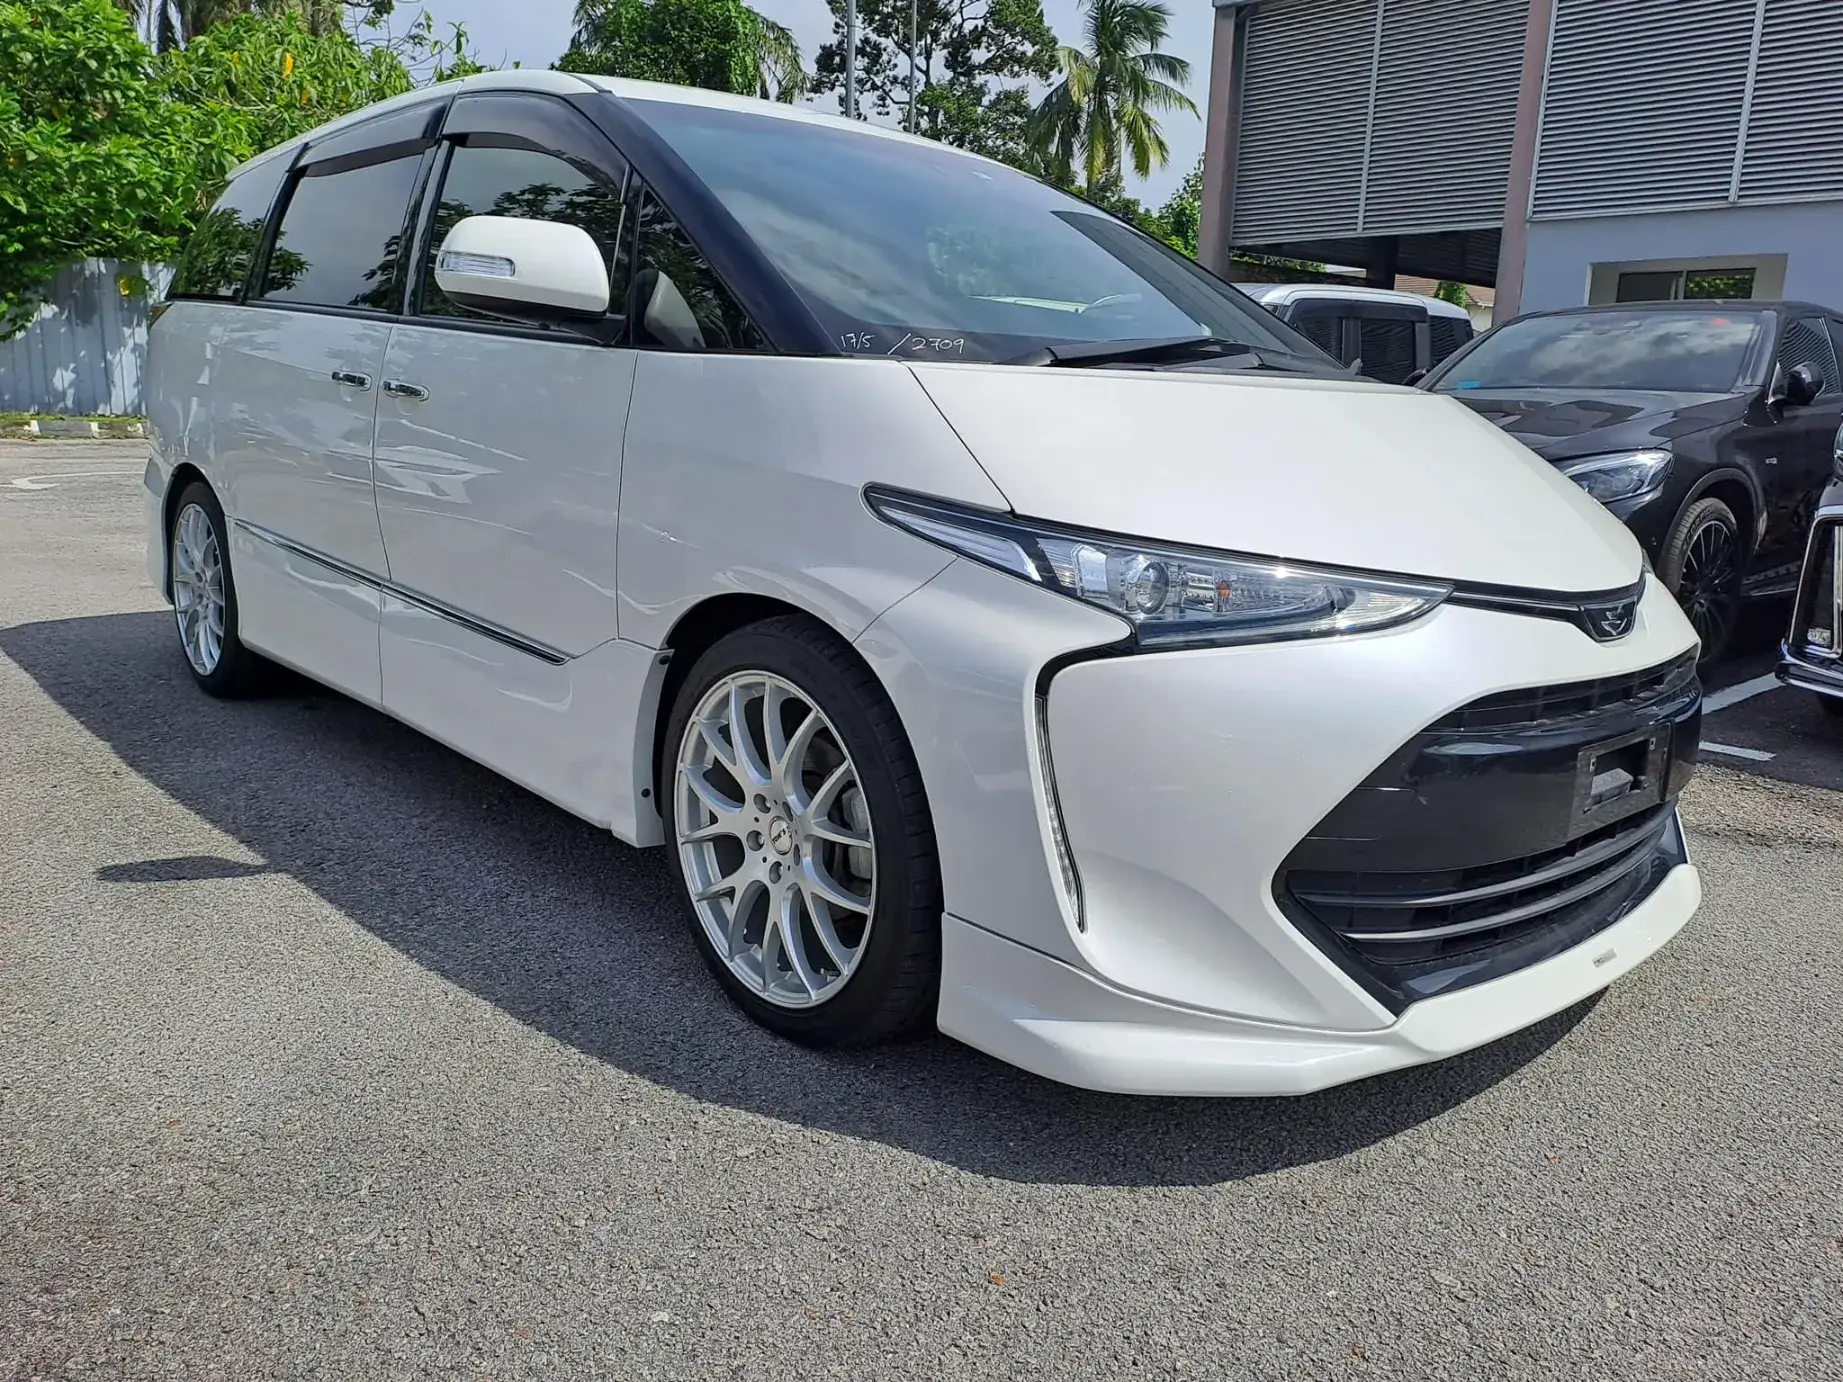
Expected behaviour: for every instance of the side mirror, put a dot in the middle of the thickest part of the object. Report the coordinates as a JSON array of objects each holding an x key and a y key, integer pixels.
[
  {"x": 1801, "y": 387},
  {"x": 1415, "y": 378},
  {"x": 665, "y": 315},
  {"x": 540, "y": 270}
]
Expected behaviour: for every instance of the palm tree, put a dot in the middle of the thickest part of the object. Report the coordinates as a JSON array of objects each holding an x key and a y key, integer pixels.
[
  {"x": 1102, "y": 109},
  {"x": 168, "y": 24}
]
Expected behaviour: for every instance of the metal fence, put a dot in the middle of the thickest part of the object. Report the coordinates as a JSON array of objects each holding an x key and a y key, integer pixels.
[{"x": 87, "y": 351}]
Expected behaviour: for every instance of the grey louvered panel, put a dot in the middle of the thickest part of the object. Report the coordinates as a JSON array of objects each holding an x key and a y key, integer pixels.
[
  {"x": 1446, "y": 115},
  {"x": 1643, "y": 104},
  {"x": 1795, "y": 133},
  {"x": 1305, "y": 97}
]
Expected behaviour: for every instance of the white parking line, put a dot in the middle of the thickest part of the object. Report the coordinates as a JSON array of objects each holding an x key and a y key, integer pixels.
[
  {"x": 1751, "y": 755},
  {"x": 1734, "y": 695}
]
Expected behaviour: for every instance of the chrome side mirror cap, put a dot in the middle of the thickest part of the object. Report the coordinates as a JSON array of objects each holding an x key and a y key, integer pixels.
[{"x": 523, "y": 268}]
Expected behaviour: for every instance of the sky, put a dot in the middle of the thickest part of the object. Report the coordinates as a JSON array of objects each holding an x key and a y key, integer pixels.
[{"x": 537, "y": 31}]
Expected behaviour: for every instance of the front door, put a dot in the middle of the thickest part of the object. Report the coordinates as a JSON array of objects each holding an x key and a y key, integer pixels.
[
  {"x": 1796, "y": 450},
  {"x": 498, "y": 463},
  {"x": 294, "y": 412}
]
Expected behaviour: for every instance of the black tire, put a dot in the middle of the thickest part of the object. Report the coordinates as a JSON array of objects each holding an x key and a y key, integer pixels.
[
  {"x": 1701, "y": 566},
  {"x": 239, "y": 672},
  {"x": 894, "y": 989}
]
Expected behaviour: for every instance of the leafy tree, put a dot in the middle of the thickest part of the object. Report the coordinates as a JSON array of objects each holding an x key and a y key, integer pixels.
[
  {"x": 722, "y": 45},
  {"x": 965, "y": 50},
  {"x": 174, "y": 23},
  {"x": 1102, "y": 111},
  {"x": 87, "y": 157},
  {"x": 1183, "y": 213},
  {"x": 1456, "y": 293}
]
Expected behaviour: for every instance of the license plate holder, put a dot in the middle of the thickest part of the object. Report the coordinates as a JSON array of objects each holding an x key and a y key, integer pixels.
[{"x": 1617, "y": 777}]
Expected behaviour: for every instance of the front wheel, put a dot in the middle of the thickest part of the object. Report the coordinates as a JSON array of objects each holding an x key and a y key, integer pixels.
[
  {"x": 1701, "y": 566},
  {"x": 800, "y": 837}
]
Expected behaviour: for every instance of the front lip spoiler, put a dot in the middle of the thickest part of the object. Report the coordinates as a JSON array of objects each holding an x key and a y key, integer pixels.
[{"x": 1805, "y": 675}]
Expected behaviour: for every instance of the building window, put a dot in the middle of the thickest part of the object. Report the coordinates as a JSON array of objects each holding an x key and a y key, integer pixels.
[{"x": 1676, "y": 285}]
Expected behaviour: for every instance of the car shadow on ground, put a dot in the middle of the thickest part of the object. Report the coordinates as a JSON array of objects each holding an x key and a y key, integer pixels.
[{"x": 579, "y": 937}]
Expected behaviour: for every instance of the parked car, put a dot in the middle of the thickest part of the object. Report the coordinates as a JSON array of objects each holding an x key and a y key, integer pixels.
[
  {"x": 1125, "y": 689},
  {"x": 1812, "y": 654},
  {"x": 1705, "y": 426},
  {"x": 1394, "y": 337}
]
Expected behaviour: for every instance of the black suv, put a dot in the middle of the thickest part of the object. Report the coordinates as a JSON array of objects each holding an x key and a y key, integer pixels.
[{"x": 1706, "y": 426}]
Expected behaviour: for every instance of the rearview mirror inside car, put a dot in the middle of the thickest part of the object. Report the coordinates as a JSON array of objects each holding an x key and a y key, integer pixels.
[{"x": 539, "y": 270}]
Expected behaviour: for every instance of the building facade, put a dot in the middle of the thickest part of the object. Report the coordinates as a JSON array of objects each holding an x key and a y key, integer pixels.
[{"x": 1559, "y": 151}]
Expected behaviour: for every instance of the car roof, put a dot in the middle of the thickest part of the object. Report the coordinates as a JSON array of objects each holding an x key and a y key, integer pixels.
[
  {"x": 545, "y": 82},
  {"x": 1292, "y": 292},
  {"x": 1693, "y": 304}
]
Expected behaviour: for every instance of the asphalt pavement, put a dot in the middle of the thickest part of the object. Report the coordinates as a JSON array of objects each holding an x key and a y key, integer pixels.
[{"x": 326, "y": 1054}]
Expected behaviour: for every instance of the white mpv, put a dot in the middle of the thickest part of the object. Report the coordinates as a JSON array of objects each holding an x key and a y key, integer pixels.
[{"x": 1002, "y": 623}]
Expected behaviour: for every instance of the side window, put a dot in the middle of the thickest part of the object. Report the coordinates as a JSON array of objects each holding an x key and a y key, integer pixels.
[
  {"x": 665, "y": 251},
  {"x": 485, "y": 180},
  {"x": 1386, "y": 347},
  {"x": 1446, "y": 334},
  {"x": 1321, "y": 323},
  {"x": 217, "y": 258},
  {"x": 341, "y": 234},
  {"x": 1806, "y": 342}
]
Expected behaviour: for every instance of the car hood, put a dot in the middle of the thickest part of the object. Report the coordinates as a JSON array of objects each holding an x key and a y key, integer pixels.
[
  {"x": 1342, "y": 473},
  {"x": 1563, "y": 424}
]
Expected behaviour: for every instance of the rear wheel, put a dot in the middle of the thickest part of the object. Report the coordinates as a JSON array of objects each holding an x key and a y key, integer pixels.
[
  {"x": 1702, "y": 567},
  {"x": 205, "y": 598},
  {"x": 800, "y": 837}
]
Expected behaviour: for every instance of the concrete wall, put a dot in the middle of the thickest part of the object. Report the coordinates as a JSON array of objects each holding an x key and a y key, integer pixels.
[
  {"x": 1558, "y": 269},
  {"x": 87, "y": 351}
]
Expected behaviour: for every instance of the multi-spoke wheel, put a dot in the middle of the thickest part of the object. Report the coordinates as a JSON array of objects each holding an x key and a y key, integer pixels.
[
  {"x": 205, "y": 597},
  {"x": 801, "y": 838},
  {"x": 1702, "y": 566}
]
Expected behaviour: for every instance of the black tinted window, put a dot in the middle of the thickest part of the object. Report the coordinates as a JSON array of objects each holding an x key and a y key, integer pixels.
[
  {"x": 665, "y": 249},
  {"x": 1447, "y": 334},
  {"x": 1386, "y": 347},
  {"x": 217, "y": 258},
  {"x": 1324, "y": 331},
  {"x": 1805, "y": 342},
  {"x": 485, "y": 181},
  {"x": 1687, "y": 351},
  {"x": 912, "y": 247},
  {"x": 340, "y": 237}
]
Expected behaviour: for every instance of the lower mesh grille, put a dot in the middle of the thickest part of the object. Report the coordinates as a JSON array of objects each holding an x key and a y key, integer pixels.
[{"x": 1403, "y": 918}]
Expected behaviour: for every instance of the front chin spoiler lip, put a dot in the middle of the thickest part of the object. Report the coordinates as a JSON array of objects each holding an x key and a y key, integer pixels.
[{"x": 1067, "y": 1025}]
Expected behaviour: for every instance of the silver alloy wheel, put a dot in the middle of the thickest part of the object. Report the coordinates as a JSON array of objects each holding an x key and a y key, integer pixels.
[
  {"x": 774, "y": 839},
  {"x": 198, "y": 589}
]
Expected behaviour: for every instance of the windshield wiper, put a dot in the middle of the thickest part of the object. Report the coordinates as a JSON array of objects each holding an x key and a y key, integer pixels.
[{"x": 1075, "y": 354}]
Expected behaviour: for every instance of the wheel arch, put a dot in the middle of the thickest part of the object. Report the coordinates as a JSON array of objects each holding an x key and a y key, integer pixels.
[
  {"x": 183, "y": 474},
  {"x": 698, "y": 630},
  {"x": 1737, "y": 490}
]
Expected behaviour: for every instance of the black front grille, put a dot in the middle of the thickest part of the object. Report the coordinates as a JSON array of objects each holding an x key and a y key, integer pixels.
[
  {"x": 1419, "y": 930},
  {"x": 1538, "y": 704},
  {"x": 1479, "y": 848},
  {"x": 1817, "y": 622}
]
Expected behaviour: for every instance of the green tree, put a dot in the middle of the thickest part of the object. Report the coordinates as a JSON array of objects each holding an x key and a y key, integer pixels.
[
  {"x": 1102, "y": 112},
  {"x": 175, "y": 23},
  {"x": 965, "y": 51},
  {"x": 89, "y": 163},
  {"x": 722, "y": 45},
  {"x": 1183, "y": 212}
]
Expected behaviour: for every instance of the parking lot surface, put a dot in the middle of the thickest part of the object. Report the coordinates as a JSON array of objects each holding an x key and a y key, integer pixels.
[{"x": 326, "y": 1054}]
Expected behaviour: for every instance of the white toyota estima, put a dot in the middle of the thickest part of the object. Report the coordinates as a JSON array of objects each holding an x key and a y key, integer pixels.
[{"x": 1001, "y": 623}]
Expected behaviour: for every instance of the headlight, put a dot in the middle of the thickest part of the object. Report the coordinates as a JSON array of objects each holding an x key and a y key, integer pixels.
[
  {"x": 1172, "y": 597},
  {"x": 1624, "y": 476}
]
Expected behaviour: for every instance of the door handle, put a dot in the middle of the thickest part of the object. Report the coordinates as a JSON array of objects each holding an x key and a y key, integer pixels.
[
  {"x": 398, "y": 388},
  {"x": 356, "y": 380}
]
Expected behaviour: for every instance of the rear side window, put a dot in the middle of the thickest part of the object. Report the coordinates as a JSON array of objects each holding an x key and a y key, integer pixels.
[
  {"x": 1324, "y": 331},
  {"x": 1806, "y": 342},
  {"x": 665, "y": 249},
  {"x": 217, "y": 259},
  {"x": 491, "y": 181},
  {"x": 340, "y": 237},
  {"x": 1386, "y": 347},
  {"x": 1445, "y": 335}
]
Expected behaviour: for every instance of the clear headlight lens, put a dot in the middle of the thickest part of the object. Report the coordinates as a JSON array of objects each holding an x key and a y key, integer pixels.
[
  {"x": 1172, "y": 597},
  {"x": 1623, "y": 476}
]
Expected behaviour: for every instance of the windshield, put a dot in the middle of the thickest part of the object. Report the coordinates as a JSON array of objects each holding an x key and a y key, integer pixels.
[
  {"x": 1675, "y": 352},
  {"x": 908, "y": 249}
]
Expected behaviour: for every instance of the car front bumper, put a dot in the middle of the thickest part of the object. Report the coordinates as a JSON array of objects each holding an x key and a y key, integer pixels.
[{"x": 1115, "y": 832}]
